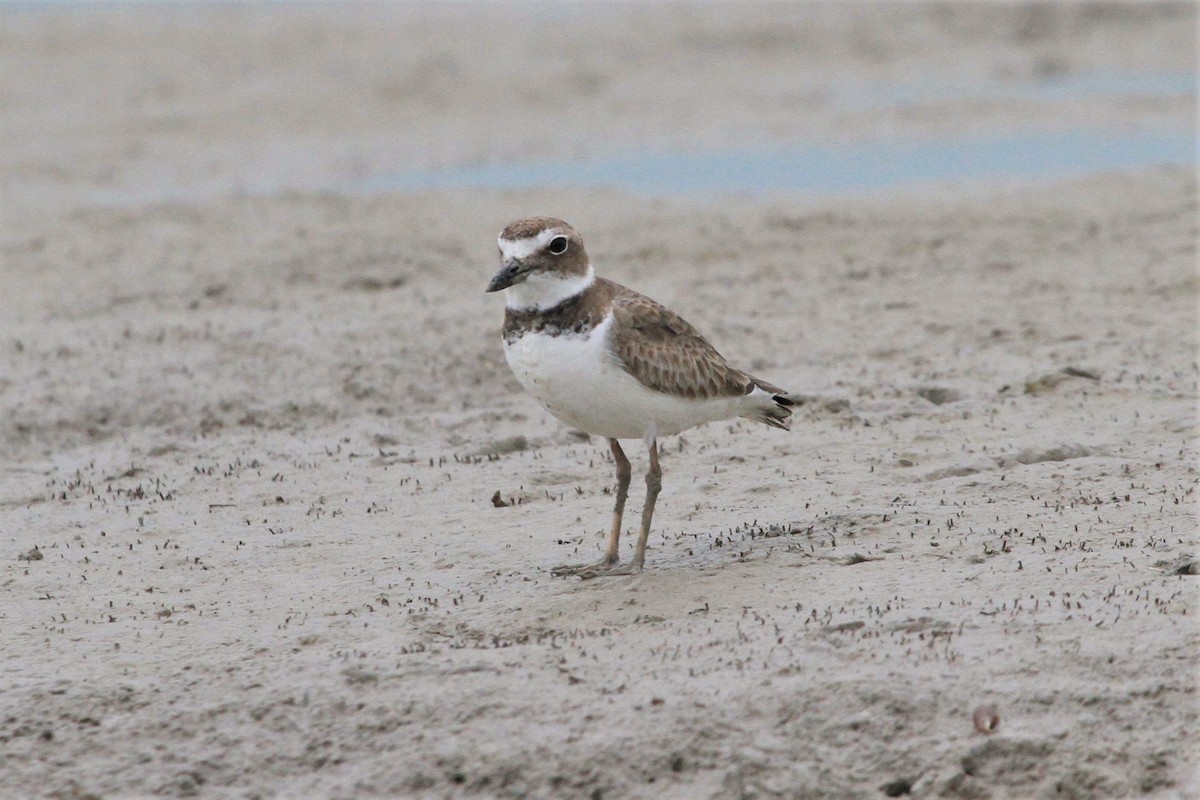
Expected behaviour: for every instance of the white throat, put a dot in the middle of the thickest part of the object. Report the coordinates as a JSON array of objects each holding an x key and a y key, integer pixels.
[{"x": 542, "y": 291}]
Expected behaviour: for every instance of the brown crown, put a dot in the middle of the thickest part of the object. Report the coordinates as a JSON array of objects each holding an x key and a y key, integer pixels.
[{"x": 532, "y": 226}]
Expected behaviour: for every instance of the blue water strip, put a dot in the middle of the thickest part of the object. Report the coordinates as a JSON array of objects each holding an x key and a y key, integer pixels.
[{"x": 828, "y": 168}]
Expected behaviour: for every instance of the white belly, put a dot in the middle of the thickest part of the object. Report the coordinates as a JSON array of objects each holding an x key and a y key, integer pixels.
[{"x": 579, "y": 381}]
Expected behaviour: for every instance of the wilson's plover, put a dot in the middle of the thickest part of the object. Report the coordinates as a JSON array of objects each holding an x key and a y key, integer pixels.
[{"x": 613, "y": 363}]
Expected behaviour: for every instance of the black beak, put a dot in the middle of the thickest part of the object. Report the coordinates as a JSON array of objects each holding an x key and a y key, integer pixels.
[{"x": 510, "y": 273}]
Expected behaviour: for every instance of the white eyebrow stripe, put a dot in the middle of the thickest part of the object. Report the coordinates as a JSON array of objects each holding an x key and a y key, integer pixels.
[{"x": 524, "y": 248}]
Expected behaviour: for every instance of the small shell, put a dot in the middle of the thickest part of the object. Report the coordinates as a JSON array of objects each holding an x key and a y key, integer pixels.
[{"x": 986, "y": 719}]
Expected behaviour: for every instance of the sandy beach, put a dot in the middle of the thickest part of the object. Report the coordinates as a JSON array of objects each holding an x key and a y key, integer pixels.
[{"x": 253, "y": 416}]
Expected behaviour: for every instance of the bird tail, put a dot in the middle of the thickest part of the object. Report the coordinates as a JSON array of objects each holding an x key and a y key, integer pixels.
[{"x": 770, "y": 405}]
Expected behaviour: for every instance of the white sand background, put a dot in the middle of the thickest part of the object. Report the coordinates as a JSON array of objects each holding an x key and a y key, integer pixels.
[{"x": 251, "y": 424}]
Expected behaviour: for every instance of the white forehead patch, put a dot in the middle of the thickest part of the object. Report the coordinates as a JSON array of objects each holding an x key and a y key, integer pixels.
[{"x": 524, "y": 248}]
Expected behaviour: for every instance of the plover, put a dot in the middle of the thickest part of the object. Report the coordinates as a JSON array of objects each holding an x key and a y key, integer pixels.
[{"x": 613, "y": 363}]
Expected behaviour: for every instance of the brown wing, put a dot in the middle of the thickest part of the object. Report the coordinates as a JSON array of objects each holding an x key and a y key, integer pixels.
[{"x": 665, "y": 353}]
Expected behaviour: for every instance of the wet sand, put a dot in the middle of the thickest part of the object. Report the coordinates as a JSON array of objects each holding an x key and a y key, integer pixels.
[{"x": 250, "y": 438}]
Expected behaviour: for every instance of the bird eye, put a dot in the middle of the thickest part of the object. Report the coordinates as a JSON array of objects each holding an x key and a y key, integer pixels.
[{"x": 558, "y": 245}]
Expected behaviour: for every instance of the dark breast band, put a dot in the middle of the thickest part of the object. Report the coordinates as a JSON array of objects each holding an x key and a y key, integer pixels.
[{"x": 577, "y": 315}]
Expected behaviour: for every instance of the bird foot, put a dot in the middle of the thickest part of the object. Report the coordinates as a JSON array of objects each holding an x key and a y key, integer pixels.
[{"x": 600, "y": 569}]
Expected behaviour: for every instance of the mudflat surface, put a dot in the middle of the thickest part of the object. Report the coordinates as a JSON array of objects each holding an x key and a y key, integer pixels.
[{"x": 250, "y": 442}]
